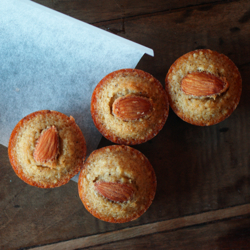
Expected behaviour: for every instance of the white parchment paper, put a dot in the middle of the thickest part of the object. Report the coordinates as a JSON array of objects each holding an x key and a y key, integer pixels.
[{"x": 51, "y": 61}]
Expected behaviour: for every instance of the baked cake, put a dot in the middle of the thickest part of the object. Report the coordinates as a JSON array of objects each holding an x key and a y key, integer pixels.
[
  {"x": 46, "y": 149},
  {"x": 129, "y": 106},
  {"x": 117, "y": 184},
  {"x": 204, "y": 87}
]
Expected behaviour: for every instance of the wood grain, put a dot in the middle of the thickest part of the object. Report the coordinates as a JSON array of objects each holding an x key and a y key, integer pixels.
[
  {"x": 199, "y": 169},
  {"x": 230, "y": 234},
  {"x": 150, "y": 228},
  {"x": 96, "y": 11},
  {"x": 222, "y": 27}
]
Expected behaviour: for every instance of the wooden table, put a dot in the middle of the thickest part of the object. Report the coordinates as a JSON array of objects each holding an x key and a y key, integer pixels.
[{"x": 203, "y": 173}]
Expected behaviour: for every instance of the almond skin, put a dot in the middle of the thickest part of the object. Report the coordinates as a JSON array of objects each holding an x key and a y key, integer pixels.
[
  {"x": 47, "y": 146},
  {"x": 113, "y": 191},
  {"x": 202, "y": 84},
  {"x": 132, "y": 107}
]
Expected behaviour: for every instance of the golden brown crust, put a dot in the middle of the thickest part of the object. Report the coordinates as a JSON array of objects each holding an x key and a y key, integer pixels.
[
  {"x": 65, "y": 174},
  {"x": 121, "y": 83},
  {"x": 134, "y": 169},
  {"x": 203, "y": 112}
]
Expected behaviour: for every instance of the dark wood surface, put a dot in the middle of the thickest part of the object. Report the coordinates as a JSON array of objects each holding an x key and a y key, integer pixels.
[{"x": 203, "y": 173}]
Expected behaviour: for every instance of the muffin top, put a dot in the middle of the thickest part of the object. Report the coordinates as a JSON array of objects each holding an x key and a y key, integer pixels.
[
  {"x": 204, "y": 87},
  {"x": 46, "y": 149},
  {"x": 129, "y": 106},
  {"x": 117, "y": 184}
]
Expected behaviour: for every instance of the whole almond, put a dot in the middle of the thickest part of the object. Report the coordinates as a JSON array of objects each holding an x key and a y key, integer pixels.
[
  {"x": 113, "y": 191},
  {"x": 132, "y": 107},
  {"x": 202, "y": 84},
  {"x": 47, "y": 146}
]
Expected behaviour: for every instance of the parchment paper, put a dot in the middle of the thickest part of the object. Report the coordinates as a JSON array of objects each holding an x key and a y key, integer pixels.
[{"x": 51, "y": 61}]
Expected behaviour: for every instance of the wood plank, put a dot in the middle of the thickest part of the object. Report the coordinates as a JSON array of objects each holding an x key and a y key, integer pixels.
[
  {"x": 198, "y": 169},
  {"x": 152, "y": 228},
  {"x": 171, "y": 35},
  {"x": 100, "y": 10},
  {"x": 228, "y": 234}
]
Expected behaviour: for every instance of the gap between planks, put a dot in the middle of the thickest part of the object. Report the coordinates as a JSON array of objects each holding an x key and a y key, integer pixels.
[
  {"x": 160, "y": 12},
  {"x": 156, "y": 227}
]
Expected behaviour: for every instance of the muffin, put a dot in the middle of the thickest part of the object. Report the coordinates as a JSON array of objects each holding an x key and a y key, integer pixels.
[
  {"x": 46, "y": 149},
  {"x": 203, "y": 87},
  {"x": 117, "y": 184},
  {"x": 129, "y": 106}
]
